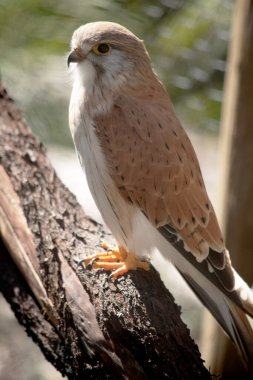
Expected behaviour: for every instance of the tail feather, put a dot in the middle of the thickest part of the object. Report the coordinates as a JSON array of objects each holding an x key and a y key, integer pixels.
[
  {"x": 218, "y": 287},
  {"x": 245, "y": 294},
  {"x": 243, "y": 333},
  {"x": 230, "y": 317}
]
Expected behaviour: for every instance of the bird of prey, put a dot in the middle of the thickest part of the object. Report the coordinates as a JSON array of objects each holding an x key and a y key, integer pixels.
[{"x": 144, "y": 174}]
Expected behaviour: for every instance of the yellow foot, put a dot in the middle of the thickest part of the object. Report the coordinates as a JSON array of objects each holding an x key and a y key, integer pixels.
[{"x": 115, "y": 259}]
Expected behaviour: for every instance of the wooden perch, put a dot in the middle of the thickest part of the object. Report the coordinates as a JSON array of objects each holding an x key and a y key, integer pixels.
[{"x": 84, "y": 323}]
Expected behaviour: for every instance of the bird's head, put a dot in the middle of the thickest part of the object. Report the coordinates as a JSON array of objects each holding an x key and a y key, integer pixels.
[{"x": 107, "y": 55}]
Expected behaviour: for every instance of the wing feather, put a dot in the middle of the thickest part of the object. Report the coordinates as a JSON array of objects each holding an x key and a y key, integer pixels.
[{"x": 154, "y": 166}]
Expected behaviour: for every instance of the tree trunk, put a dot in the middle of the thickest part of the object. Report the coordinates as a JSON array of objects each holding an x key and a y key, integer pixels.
[
  {"x": 84, "y": 323},
  {"x": 237, "y": 176}
]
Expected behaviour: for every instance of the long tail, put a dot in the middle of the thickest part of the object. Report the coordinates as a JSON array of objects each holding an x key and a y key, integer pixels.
[
  {"x": 220, "y": 289},
  {"x": 231, "y": 318}
]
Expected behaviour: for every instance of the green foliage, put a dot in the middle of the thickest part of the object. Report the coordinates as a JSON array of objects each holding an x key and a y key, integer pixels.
[{"x": 187, "y": 41}]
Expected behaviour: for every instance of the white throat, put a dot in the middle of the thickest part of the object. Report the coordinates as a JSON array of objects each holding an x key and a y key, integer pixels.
[
  {"x": 85, "y": 75},
  {"x": 90, "y": 90}
]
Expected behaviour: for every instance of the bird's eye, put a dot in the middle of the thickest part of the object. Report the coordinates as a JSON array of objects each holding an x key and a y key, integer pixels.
[{"x": 102, "y": 49}]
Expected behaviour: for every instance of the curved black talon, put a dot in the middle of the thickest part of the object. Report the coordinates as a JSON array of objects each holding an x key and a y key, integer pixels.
[
  {"x": 89, "y": 265},
  {"x": 80, "y": 263}
]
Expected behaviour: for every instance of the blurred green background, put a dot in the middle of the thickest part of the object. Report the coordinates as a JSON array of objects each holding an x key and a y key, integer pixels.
[{"x": 187, "y": 41}]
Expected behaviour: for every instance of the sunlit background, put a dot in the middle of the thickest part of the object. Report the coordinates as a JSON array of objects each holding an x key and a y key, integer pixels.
[{"x": 187, "y": 42}]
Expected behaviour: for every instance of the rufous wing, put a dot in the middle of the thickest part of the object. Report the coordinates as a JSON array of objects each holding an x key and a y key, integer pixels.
[{"x": 154, "y": 166}]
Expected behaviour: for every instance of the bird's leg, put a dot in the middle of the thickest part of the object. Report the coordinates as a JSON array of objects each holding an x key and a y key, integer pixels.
[{"x": 116, "y": 259}]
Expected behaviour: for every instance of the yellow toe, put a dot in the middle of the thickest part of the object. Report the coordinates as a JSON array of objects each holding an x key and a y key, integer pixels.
[{"x": 115, "y": 259}]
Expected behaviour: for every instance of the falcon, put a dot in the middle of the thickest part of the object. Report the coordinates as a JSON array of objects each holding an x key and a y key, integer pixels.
[{"x": 145, "y": 177}]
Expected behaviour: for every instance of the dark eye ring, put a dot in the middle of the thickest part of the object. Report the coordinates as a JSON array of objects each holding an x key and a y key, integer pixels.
[{"x": 102, "y": 48}]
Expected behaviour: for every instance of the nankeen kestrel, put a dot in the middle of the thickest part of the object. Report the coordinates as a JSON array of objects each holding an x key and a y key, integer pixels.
[{"x": 144, "y": 174}]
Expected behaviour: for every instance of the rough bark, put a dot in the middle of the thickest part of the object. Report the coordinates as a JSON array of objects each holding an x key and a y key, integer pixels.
[{"x": 84, "y": 323}]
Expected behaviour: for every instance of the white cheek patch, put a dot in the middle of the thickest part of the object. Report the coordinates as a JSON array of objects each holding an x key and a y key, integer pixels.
[
  {"x": 116, "y": 68},
  {"x": 116, "y": 62}
]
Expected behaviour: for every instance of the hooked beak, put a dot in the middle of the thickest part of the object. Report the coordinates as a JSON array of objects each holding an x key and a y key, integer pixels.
[{"x": 74, "y": 56}]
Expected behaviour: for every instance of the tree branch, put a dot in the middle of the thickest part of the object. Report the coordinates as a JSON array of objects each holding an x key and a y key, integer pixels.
[{"x": 84, "y": 323}]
